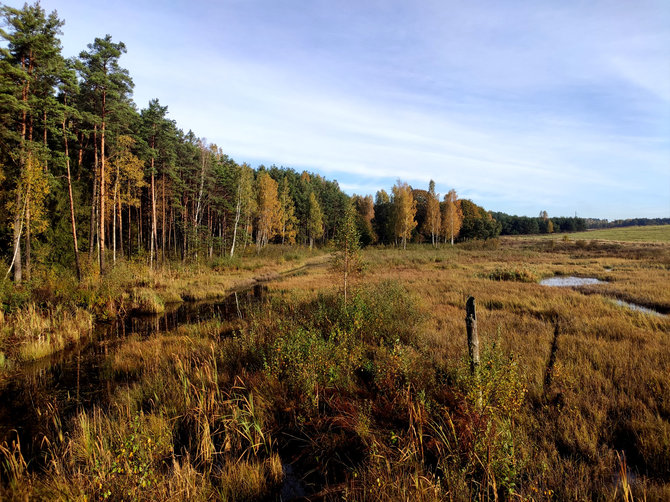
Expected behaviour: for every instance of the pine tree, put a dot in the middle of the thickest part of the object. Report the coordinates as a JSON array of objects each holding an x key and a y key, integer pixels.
[
  {"x": 29, "y": 66},
  {"x": 154, "y": 124},
  {"x": 287, "y": 219},
  {"x": 68, "y": 89},
  {"x": 110, "y": 86}
]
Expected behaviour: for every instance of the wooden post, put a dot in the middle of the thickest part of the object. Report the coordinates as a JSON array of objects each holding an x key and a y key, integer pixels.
[
  {"x": 473, "y": 345},
  {"x": 473, "y": 337}
]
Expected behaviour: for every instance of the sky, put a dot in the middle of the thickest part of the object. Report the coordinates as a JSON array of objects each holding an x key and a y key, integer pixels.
[{"x": 520, "y": 106}]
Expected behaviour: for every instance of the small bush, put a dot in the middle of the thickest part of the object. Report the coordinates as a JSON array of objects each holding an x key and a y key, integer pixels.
[{"x": 512, "y": 274}]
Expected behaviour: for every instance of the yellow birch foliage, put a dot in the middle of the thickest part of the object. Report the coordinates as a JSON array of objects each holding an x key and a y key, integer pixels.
[
  {"x": 405, "y": 211},
  {"x": 315, "y": 222},
  {"x": 452, "y": 217},
  {"x": 267, "y": 214},
  {"x": 130, "y": 171}
]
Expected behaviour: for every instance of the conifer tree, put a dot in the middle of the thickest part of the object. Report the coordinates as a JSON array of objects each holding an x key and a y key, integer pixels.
[
  {"x": 110, "y": 85},
  {"x": 154, "y": 125},
  {"x": 28, "y": 68},
  {"x": 287, "y": 219},
  {"x": 68, "y": 89}
]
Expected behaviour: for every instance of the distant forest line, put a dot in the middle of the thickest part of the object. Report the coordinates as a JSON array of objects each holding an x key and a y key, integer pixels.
[{"x": 86, "y": 174}]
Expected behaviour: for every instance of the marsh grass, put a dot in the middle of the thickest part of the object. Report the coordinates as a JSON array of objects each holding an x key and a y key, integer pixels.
[
  {"x": 32, "y": 332},
  {"x": 374, "y": 400},
  {"x": 53, "y": 311}
]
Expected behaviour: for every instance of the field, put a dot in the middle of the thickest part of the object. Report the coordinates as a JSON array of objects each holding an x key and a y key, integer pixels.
[
  {"x": 651, "y": 233},
  {"x": 374, "y": 399}
]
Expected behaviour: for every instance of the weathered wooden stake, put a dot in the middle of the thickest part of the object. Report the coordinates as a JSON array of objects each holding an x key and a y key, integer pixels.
[{"x": 473, "y": 337}]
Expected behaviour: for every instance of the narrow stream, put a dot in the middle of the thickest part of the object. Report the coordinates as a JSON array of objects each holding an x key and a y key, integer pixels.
[
  {"x": 37, "y": 395},
  {"x": 577, "y": 282}
]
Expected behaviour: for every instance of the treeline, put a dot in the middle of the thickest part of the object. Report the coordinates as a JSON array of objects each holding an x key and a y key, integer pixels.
[
  {"x": 631, "y": 222},
  {"x": 525, "y": 225},
  {"x": 86, "y": 175},
  {"x": 414, "y": 215}
]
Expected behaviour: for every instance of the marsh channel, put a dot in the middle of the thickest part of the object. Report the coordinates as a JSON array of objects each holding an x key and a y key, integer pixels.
[
  {"x": 39, "y": 397},
  {"x": 580, "y": 282}
]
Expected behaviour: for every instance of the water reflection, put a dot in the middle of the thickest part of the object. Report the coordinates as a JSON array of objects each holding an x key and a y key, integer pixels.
[
  {"x": 570, "y": 281},
  {"x": 39, "y": 394}
]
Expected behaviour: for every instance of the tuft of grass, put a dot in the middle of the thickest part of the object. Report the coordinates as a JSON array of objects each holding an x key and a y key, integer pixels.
[
  {"x": 517, "y": 274},
  {"x": 33, "y": 333},
  {"x": 146, "y": 301}
]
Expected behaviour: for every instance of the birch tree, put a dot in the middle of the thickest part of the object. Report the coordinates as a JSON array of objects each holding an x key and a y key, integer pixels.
[
  {"x": 452, "y": 217},
  {"x": 404, "y": 211},
  {"x": 315, "y": 220},
  {"x": 244, "y": 200},
  {"x": 433, "y": 217},
  {"x": 347, "y": 259},
  {"x": 267, "y": 210}
]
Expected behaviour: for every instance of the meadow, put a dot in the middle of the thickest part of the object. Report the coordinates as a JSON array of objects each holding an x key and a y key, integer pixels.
[
  {"x": 374, "y": 399},
  {"x": 650, "y": 233}
]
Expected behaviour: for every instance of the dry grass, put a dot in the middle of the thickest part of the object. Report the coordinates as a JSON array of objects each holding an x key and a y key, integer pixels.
[
  {"x": 375, "y": 402},
  {"x": 609, "y": 392},
  {"x": 32, "y": 333}
]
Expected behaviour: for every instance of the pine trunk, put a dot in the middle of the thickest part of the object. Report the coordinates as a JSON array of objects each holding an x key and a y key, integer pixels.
[
  {"x": 163, "y": 216},
  {"x": 94, "y": 198},
  {"x": 101, "y": 231},
  {"x": 71, "y": 200},
  {"x": 153, "y": 213}
]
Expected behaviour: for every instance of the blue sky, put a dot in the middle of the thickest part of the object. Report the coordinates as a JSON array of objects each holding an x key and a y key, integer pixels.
[{"x": 520, "y": 106}]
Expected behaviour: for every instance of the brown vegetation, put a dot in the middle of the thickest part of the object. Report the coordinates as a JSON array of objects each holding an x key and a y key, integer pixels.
[{"x": 375, "y": 401}]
